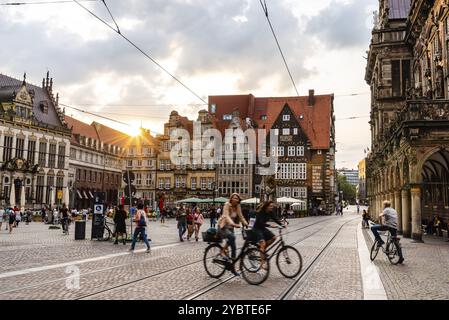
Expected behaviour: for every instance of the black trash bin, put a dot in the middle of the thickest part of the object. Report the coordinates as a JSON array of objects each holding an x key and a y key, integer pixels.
[{"x": 80, "y": 230}]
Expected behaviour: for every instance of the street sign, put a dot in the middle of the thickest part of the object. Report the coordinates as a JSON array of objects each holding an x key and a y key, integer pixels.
[
  {"x": 59, "y": 194},
  {"x": 98, "y": 208}
]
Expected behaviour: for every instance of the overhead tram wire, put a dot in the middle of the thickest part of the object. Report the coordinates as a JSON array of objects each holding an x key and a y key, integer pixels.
[
  {"x": 265, "y": 9},
  {"x": 42, "y": 2},
  {"x": 103, "y": 117},
  {"x": 140, "y": 50}
]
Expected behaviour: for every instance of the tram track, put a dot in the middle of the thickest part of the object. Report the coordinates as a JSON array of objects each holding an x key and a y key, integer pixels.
[
  {"x": 217, "y": 283},
  {"x": 291, "y": 290},
  {"x": 212, "y": 285}
]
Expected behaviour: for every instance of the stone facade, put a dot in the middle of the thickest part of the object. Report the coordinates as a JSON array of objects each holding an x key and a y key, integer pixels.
[
  {"x": 407, "y": 71},
  {"x": 35, "y": 145}
]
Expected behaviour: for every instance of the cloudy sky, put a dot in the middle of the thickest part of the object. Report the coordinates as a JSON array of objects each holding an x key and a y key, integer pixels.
[{"x": 214, "y": 46}]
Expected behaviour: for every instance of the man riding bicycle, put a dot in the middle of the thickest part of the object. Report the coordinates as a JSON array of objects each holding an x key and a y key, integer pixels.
[{"x": 390, "y": 223}]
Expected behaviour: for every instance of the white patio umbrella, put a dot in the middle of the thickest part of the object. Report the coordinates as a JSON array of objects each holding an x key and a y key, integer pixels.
[
  {"x": 22, "y": 197},
  {"x": 298, "y": 204},
  {"x": 12, "y": 196},
  {"x": 66, "y": 197},
  {"x": 52, "y": 197},
  {"x": 288, "y": 200},
  {"x": 251, "y": 201}
]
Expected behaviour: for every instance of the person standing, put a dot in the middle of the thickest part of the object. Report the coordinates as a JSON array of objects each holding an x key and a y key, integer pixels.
[
  {"x": 213, "y": 218},
  {"x": 120, "y": 224},
  {"x": 181, "y": 218},
  {"x": 198, "y": 220},
  {"x": 189, "y": 220},
  {"x": 142, "y": 223}
]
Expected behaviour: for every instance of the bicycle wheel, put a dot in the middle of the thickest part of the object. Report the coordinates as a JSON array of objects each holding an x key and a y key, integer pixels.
[
  {"x": 394, "y": 253},
  {"x": 214, "y": 263},
  {"x": 374, "y": 251},
  {"x": 106, "y": 234},
  {"x": 289, "y": 262},
  {"x": 251, "y": 266}
]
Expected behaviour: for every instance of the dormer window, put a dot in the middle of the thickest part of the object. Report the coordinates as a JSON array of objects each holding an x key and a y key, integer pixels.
[
  {"x": 227, "y": 117},
  {"x": 286, "y": 117},
  {"x": 43, "y": 106}
]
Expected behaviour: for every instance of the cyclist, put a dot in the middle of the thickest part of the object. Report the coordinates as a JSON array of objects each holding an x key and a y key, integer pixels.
[
  {"x": 231, "y": 218},
  {"x": 390, "y": 223},
  {"x": 261, "y": 234}
]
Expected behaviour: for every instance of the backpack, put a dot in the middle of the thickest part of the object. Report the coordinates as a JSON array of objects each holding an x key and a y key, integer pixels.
[{"x": 142, "y": 222}]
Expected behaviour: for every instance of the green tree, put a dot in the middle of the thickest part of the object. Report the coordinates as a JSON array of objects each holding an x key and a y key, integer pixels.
[{"x": 349, "y": 191}]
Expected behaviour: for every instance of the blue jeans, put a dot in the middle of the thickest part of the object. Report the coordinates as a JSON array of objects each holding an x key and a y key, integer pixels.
[
  {"x": 377, "y": 227},
  {"x": 182, "y": 228},
  {"x": 213, "y": 222},
  {"x": 137, "y": 231},
  {"x": 229, "y": 234}
]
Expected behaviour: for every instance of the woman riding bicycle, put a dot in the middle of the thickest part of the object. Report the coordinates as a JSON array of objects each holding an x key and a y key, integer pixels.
[
  {"x": 261, "y": 234},
  {"x": 231, "y": 218}
]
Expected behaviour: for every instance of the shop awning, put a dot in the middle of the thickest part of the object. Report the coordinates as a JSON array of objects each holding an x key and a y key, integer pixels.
[
  {"x": 79, "y": 194},
  {"x": 91, "y": 195},
  {"x": 85, "y": 195}
]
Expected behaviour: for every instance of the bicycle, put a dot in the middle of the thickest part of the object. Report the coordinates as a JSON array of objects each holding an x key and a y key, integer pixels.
[
  {"x": 250, "y": 259},
  {"x": 284, "y": 254},
  {"x": 107, "y": 232},
  {"x": 251, "y": 262},
  {"x": 392, "y": 250}
]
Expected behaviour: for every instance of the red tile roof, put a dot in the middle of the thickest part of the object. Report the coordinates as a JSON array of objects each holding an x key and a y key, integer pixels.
[
  {"x": 80, "y": 128},
  {"x": 112, "y": 136},
  {"x": 316, "y": 122}
]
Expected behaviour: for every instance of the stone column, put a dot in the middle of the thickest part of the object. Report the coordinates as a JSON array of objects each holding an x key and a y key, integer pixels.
[
  {"x": 44, "y": 191},
  {"x": 398, "y": 207},
  {"x": 416, "y": 214},
  {"x": 405, "y": 214}
]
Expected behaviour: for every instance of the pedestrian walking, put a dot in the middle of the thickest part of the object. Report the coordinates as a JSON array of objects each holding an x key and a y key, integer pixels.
[
  {"x": 141, "y": 220},
  {"x": 43, "y": 215},
  {"x": 198, "y": 220},
  {"x": 213, "y": 218},
  {"x": 120, "y": 224},
  {"x": 65, "y": 219},
  {"x": 189, "y": 220},
  {"x": 365, "y": 220},
  {"x": 12, "y": 219},
  {"x": 181, "y": 218},
  {"x": 18, "y": 216},
  {"x": 6, "y": 218},
  {"x": 2, "y": 215}
]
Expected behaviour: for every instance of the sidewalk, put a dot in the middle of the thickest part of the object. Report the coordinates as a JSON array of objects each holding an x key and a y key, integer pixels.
[{"x": 422, "y": 275}]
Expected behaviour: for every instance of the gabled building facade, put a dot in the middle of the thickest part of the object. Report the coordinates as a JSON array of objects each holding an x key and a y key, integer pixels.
[
  {"x": 35, "y": 145},
  {"x": 313, "y": 118}
]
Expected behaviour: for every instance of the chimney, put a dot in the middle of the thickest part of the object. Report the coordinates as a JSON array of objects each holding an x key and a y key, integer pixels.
[{"x": 311, "y": 97}]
